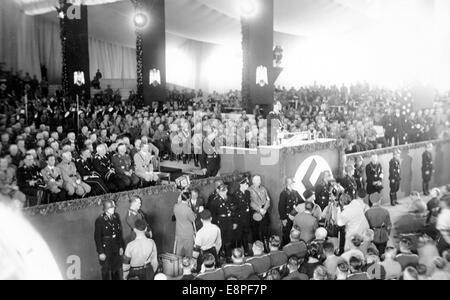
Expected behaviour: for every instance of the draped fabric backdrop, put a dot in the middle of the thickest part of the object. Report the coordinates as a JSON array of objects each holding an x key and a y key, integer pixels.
[{"x": 114, "y": 61}]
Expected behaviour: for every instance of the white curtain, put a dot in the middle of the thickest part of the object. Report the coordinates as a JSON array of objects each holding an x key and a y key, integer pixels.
[
  {"x": 114, "y": 61},
  {"x": 50, "y": 52},
  {"x": 18, "y": 42}
]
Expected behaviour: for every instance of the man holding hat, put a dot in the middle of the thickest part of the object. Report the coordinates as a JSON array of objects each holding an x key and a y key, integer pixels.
[
  {"x": 241, "y": 201},
  {"x": 289, "y": 199},
  {"x": 394, "y": 177},
  {"x": 207, "y": 240},
  {"x": 109, "y": 241},
  {"x": 141, "y": 257},
  {"x": 260, "y": 204}
]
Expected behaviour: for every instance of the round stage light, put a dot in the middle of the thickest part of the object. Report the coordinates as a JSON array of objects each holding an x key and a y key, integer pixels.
[
  {"x": 140, "y": 20},
  {"x": 247, "y": 8}
]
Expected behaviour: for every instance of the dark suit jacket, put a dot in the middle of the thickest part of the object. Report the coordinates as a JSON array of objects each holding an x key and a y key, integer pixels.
[{"x": 296, "y": 276}]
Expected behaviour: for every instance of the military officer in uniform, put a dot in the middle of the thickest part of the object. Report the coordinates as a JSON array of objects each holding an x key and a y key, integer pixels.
[
  {"x": 241, "y": 201},
  {"x": 260, "y": 204},
  {"x": 29, "y": 179},
  {"x": 135, "y": 213},
  {"x": 85, "y": 168},
  {"x": 322, "y": 191},
  {"x": 394, "y": 177},
  {"x": 210, "y": 158},
  {"x": 102, "y": 165},
  {"x": 224, "y": 217},
  {"x": 374, "y": 175},
  {"x": 73, "y": 182},
  {"x": 348, "y": 182},
  {"x": 358, "y": 174},
  {"x": 109, "y": 242},
  {"x": 427, "y": 169},
  {"x": 123, "y": 165},
  {"x": 289, "y": 199},
  {"x": 388, "y": 123}
]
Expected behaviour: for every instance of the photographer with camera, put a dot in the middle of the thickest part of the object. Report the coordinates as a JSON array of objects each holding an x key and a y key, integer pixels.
[{"x": 351, "y": 216}]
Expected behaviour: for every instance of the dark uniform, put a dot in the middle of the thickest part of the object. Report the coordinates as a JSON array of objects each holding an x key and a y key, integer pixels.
[
  {"x": 223, "y": 216},
  {"x": 358, "y": 175},
  {"x": 102, "y": 165},
  {"x": 210, "y": 159},
  {"x": 288, "y": 201},
  {"x": 240, "y": 271},
  {"x": 397, "y": 129},
  {"x": 373, "y": 174},
  {"x": 132, "y": 217},
  {"x": 122, "y": 164},
  {"x": 322, "y": 193},
  {"x": 349, "y": 184},
  {"x": 394, "y": 179},
  {"x": 85, "y": 168},
  {"x": 109, "y": 241},
  {"x": 388, "y": 122},
  {"x": 24, "y": 176},
  {"x": 427, "y": 171},
  {"x": 241, "y": 203}
]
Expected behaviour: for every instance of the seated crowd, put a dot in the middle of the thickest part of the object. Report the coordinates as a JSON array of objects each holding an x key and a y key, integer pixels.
[
  {"x": 53, "y": 149},
  {"x": 367, "y": 247}
]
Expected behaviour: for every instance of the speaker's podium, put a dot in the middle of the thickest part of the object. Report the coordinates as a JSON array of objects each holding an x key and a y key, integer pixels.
[{"x": 292, "y": 157}]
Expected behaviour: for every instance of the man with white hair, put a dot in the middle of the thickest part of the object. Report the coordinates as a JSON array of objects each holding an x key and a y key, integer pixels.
[
  {"x": 143, "y": 160},
  {"x": 73, "y": 182},
  {"x": 260, "y": 204}
]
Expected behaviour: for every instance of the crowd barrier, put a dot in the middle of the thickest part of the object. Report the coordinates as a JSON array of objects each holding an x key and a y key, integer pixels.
[{"x": 68, "y": 227}]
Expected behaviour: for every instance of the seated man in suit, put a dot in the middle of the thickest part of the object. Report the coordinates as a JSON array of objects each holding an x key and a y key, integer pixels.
[
  {"x": 209, "y": 271},
  {"x": 294, "y": 274},
  {"x": 306, "y": 223},
  {"x": 296, "y": 247},
  {"x": 260, "y": 262},
  {"x": 238, "y": 268},
  {"x": 52, "y": 176},
  {"x": 277, "y": 258}
]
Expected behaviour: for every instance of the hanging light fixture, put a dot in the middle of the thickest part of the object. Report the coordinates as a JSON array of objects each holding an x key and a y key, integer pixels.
[
  {"x": 78, "y": 78},
  {"x": 155, "y": 77},
  {"x": 262, "y": 79}
]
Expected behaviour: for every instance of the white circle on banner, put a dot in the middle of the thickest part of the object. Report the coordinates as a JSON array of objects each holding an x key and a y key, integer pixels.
[{"x": 309, "y": 172}]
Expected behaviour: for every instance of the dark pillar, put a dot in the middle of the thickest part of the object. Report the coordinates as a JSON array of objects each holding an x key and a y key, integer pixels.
[
  {"x": 257, "y": 46},
  {"x": 151, "y": 51},
  {"x": 75, "y": 47}
]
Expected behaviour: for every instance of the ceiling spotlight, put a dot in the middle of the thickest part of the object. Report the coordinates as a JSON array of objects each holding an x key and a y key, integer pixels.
[
  {"x": 247, "y": 8},
  {"x": 140, "y": 20}
]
